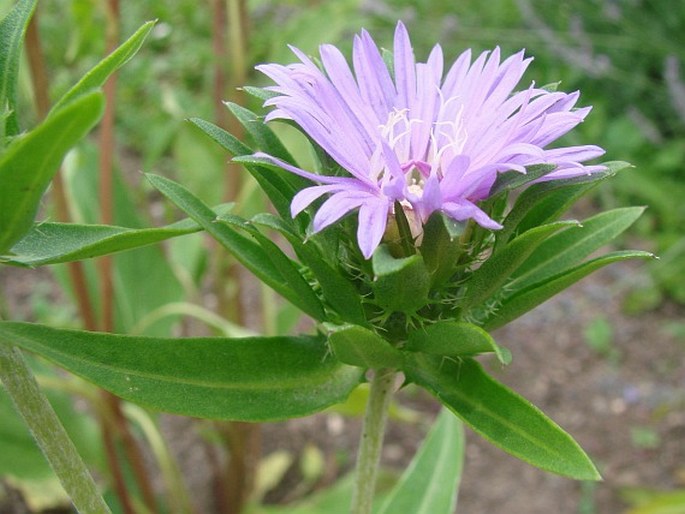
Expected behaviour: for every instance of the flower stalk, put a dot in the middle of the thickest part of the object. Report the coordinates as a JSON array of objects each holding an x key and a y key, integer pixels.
[
  {"x": 49, "y": 433},
  {"x": 371, "y": 442}
]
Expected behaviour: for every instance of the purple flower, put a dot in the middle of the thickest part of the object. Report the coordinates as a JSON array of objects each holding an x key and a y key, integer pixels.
[{"x": 432, "y": 141}]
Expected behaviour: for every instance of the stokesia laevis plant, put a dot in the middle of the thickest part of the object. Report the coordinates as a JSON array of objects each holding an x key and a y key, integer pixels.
[
  {"x": 426, "y": 160},
  {"x": 437, "y": 256}
]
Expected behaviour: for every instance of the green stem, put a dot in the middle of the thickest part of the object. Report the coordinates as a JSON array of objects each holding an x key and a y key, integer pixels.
[
  {"x": 371, "y": 443},
  {"x": 49, "y": 432}
]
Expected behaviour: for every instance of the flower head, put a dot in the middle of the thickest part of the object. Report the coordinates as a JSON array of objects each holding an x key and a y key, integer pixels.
[{"x": 432, "y": 141}]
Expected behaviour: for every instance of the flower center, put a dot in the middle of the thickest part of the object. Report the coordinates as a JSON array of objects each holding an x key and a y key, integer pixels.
[{"x": 424, "y": 147}]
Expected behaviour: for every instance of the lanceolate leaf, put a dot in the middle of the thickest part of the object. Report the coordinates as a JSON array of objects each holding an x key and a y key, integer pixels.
[
  {"x": 532, "y": 296},
  {"x": 513, "y": 179},
  {"x": 272, "y": 181},
  {"x": 571, "y": 246},
  {"x": 30, "y": 162},
  {"x": 264, "y": 137},
  {"x": 251, "y": 379},
  {"x": 52, "y": 243},
  {"x": 227, "y": 140},
  {"x": 430, "y": 483},
  {"x": 338, "y": 291},
  {"x": 245, "y": 249},
  {"x": 12, "y": 29},
  {"x": 547, "y": 201},
  {"x": 286, "y": 267},
  {"x": 501, "y": 416},
  {"x": 497, "y": 269},
  {"x": 259, "y": 92},
  {"x": 97, "y": 76}
]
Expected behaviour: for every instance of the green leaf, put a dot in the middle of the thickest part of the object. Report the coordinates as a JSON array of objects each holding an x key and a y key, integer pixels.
[
  {"x": 266, "y": 140},
  {"x": 52, "y": 243},
  {"x": 30, "y": 162},
  {"x": 97, "y": 76},
  {"x": 547, "y": 201},
  {"x": 399, "y": 284},
  {"x": 251, "y": 379},
  {"x": 359, "y": 346},
  {"x": 455, "y": 339},
  {"x": 336, "y": 289},
  {"x": 272, "y": 181},
  {"x": 225, "y": 139},
  {"x": 12, "y": 30},
  {"x": 497, "y": 269},
  {"x": 501, "y": 416},
  {"x": 569, "y": 247},
  {"x": 259, "y": 92},
  {"x": 287, "y": 268},
  {"x": 530, "y": 297},
  {"x": 431, "y": 482},
  {"x": 245, "y": 250},
  {"x": 514, "y": 179}
]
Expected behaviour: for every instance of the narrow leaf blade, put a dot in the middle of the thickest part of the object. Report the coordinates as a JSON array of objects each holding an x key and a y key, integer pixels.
[
  {"x": 272, "y": 181},
  {"x": 30, "y": 162},
  {"x": 497, "y": 269},
  {"x": 251, "y": 379},
  {"x": 97, "y": 76},
  {"x": 513, "y": 179},
  {"x": 307, "y": 298},
  {"x": 569, "y": 247},
  {"x": 430, "y": 483},
  {"x": 246, "y": 250},
  {"x": 547, "y": 201},
  {"x": 264, "y": 137},
  {"x": 53, "y": 243},
  {"x": 501, "y": 416},
  {"x": 532, "y": 296},
  {"x": 339, "y": 292},
  {"x": 12, "y": 30}
]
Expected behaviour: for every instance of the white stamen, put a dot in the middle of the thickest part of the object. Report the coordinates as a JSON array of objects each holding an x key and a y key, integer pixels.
[{"x": 446, "y": 139}]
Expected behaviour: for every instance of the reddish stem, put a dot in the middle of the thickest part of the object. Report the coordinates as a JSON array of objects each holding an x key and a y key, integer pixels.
[
  {"x": 105, "y": 267},
  {"x": 242, "y": 440},
  {"x": 41, "y": 86}
]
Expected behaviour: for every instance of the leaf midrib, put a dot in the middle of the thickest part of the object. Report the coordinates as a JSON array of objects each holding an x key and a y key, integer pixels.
[{"x": 280, "y": 384}]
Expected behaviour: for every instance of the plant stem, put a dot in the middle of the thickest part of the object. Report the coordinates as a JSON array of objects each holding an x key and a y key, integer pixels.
[
  {"x": 371, "y": 443},
  {"x": 49, "y": 433}
]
